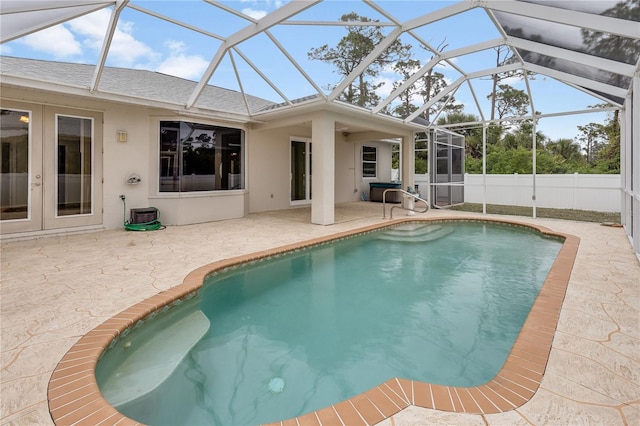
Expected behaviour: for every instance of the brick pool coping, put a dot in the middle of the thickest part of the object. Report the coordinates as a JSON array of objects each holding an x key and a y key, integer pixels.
[{"x": 74, "y": 396}]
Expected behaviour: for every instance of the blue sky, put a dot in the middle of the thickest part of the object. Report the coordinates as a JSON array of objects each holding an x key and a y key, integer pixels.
[{"x": 145, "y": 42}]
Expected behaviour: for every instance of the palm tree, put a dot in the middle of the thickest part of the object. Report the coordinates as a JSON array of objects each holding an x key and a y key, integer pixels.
[{"x": 566, "y": 148}]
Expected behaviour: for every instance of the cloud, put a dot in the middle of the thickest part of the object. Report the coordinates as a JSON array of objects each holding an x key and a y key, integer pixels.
[
  {"x": 180, "y": 64},
  {"x": 125, "y": 49},
  {"x": 56, "y": 41},
  {"x": 513, "y": 81},
  {"x": 84, "y": 36},
  {"x": 255, "y": 14}
]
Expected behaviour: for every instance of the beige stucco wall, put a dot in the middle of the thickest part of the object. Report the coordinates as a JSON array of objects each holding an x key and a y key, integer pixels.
[
  {"x": 138, "y": 155},
  {"x": 267, "y": 164},
  {"x": 268, "y": 177},
  {"x": 268, "y": 167}
]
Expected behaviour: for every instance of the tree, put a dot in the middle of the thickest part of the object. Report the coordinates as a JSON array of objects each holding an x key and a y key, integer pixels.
[
  {"x": 510, "y": 102},
  {"x": 592, "y": 137},
  {"x": 503, "y": 54},
  {"x": 522, "y": 136},
  {"x": 426, "y": 88},
  {"x": 472, "y": 135},
  {"x": 351, "y": 50},
  {"x": 406, "y": 68},
  {"x": 609, "y": 155},
  {"x": 568, "y": 149}
]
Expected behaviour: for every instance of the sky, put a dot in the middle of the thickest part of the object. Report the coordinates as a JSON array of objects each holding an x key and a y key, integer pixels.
[{"x": 145, "y": 42}]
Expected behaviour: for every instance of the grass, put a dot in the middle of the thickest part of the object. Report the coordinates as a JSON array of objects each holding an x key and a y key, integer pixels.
[{"x": 566, "y": 214}]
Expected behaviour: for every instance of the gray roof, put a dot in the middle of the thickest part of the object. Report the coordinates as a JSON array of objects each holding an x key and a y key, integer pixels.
[{"x": 146, "y": 85}]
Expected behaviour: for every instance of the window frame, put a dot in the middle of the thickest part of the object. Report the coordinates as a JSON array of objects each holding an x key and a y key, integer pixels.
[
  {"x": 228, "y": 151},
  {"x": 364, "y": 162}
]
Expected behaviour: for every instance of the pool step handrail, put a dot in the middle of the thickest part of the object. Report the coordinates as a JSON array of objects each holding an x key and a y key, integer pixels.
[{"x": 404, "y": 193}]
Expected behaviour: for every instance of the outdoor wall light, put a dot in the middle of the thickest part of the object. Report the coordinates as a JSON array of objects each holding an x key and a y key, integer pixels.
[{"x": 122, "y": 136}]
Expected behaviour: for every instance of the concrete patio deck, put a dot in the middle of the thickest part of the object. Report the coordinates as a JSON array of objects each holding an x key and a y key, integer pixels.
[{"x": 56, "y": 289}]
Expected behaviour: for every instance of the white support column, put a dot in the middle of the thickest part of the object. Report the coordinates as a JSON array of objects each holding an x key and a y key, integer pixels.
[
  {"x": 535, "y": 150},
  {"x": 625, "y": 163},
  {"x": 408, "y": 152},
  {"x": 323, "y": 169},
  {"x": 484, "y": 167},
  {"x": 635, "y": 160}
]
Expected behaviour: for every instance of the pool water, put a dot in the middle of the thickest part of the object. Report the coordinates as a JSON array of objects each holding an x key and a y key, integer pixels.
[{"x": 440, "y": 303}]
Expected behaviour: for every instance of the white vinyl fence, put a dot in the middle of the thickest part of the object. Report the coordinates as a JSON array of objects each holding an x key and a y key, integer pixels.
[{"x": 574, "y": 191}]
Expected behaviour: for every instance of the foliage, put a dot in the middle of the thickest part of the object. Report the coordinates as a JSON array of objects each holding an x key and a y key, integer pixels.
[
  {"x": 426, "y": 88},
  {"x": 510, "y": 102},
  {"x": 596, "y": 149},
  {"x": 510, "y": 151},
  {"x": 351, "y": 50}
]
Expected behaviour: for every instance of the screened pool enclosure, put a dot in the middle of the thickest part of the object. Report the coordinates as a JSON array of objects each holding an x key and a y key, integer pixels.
[{"x": 582, "y": 51}]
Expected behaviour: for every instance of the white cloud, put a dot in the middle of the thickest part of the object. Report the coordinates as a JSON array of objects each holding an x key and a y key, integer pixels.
[
  {"x": 255, "y": 14},
  {"x": 84, "y": 36},
  {"x": 57, "y": 41},
  {"x": 513, "y": 81},
  {"x": 180, "y": 64},
  {"x": 125, "y": 49},
  {"x": 385, "y": 90}
]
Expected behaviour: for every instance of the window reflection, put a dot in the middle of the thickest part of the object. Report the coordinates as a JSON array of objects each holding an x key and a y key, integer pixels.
[
  {"x": 199, "y": 157},
  {"x": 603, "y": 45},
  {"x": 74, "y": 162},
  {"x": 14, "y": 179},
  {"x": 611, "y": 8},
  {"x": 580, "y": 70}
]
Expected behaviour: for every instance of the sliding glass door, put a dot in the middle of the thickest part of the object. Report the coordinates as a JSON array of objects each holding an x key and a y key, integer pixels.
[{"x": 300, "y": 171}]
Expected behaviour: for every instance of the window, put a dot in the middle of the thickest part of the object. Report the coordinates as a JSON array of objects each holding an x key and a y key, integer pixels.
[
  {"x": 75, "y": 165},
  {"x": 200, "y": 157},
  {"x": 369, "y": 161},
  {"x": 14, "y": 139}
]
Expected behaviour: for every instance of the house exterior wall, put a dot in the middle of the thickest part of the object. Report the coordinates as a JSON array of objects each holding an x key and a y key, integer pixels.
[
  {"x": 139, "y": 155},
  {"x": 268, "y": 168},
  {"x": 266, "y": 164},
  {"x": 268, "y": 179}
]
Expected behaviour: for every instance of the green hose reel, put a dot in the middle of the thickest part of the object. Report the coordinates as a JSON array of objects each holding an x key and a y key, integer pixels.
[{"x": 151, "y": 225}]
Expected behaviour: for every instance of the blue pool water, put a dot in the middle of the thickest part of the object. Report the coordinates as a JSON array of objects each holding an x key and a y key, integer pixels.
[{"x": 441, "y": 303}]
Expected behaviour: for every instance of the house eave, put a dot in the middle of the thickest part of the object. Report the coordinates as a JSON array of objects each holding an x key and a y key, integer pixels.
[{"x": 99, "y": 95}]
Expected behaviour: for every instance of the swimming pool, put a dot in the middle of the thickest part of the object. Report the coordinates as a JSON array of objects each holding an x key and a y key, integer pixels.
[{"x": 248, "y": 319}]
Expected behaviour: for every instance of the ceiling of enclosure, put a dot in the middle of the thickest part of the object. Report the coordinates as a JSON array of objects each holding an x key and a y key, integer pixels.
[{"x": 583, "y": 51}]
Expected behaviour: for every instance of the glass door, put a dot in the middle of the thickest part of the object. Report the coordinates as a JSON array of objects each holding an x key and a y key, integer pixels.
[
  {"x": 300, "y": 171},
  {"x": 51, "y": 168},
  {"x": 21, "y": 167},
  {"x": 73, "y": 168}
]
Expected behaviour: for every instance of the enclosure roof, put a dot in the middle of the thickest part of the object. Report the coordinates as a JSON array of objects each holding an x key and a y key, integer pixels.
[{"x": 592, "y": 46}]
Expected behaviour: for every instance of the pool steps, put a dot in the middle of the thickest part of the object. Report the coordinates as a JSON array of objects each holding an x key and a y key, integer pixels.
[
  {"x": 153, "y": 362},
  {"x": 415, "y": 233}
]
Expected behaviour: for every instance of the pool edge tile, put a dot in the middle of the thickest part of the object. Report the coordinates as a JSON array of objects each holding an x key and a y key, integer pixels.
[{"x": 523, "y": 369}]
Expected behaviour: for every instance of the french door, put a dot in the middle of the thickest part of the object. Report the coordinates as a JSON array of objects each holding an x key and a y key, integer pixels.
[
  {"x": 51, "y": 164},
  {"x": 300, "y": 171}
]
